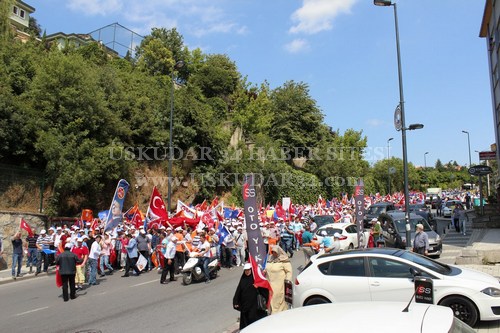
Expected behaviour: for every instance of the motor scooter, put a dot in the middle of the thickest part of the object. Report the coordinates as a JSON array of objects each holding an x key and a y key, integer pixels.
[{"x": 193, "y": 271}]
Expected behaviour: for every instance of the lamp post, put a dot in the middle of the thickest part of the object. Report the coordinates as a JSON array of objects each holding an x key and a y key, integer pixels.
[
  {"x": 401, "y": 121},
  {"x": 177, "y": 65},
  {"x": 470, "y": 160},
  {"x": 468, "y": 142},
  {"x": 425, "y": 160},
  {"x": 389, "y": 166}
]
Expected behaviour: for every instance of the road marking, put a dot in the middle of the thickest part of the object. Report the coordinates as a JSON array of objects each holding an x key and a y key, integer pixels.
[
  {"x": 141, "y": 284},
  {"x": 30, "y": 311}
]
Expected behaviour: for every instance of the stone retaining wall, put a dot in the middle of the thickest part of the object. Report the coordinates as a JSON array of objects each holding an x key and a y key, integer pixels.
[{"x": 9, "y": 225}]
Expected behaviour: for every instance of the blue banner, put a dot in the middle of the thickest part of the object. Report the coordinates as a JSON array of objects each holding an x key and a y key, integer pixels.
[{"x": 115, "y": 215}]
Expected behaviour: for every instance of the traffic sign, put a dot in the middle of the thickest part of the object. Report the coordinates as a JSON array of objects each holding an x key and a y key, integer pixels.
[
  {"x": 487, "y": 155},
  {"x": 480, "y": 170}
]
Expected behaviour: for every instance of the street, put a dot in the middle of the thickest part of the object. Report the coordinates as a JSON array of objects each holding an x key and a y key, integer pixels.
[
  {"x": 141, "y": 303},
  {"x": 120, "y": 305}
]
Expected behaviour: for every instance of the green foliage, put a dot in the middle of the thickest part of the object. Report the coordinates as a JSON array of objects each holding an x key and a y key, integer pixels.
[{"x": 79, "y": 114}]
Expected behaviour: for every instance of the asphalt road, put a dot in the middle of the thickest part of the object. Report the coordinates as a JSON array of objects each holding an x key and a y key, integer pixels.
[{"x": 120, "y": 305}]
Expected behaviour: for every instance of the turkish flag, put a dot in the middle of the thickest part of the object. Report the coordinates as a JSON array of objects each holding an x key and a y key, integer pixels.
[
  {"x": 26, "y": 227},
  {"x": 259, "y": 280},
  {"x": 157, "y": 208}
]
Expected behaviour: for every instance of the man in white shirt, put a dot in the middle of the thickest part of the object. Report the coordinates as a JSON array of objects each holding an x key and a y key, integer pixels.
[
  {"x": 204, "y": 254},
  {"x": 169, "y": 264},
  {"x": 240, "y": 239},
  {"x": 95, "y": 251}
]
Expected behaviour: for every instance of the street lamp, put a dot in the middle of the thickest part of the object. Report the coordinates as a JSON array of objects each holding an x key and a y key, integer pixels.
[
  {"x": 389, "y": 166},
  {"x": 425, "y": 160},
  {"x": 468, "y": 142},
  {"x": 470, "y": 160},
  {"x": 401, "y": 120},
  {"x": 177, "y": 65}
]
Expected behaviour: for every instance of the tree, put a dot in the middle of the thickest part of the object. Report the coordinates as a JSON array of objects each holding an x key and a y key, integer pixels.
[
  {"x": 297, "y": 120},
  {"x": 34, "y": 28},
  {"x": 5, "y": 26}
]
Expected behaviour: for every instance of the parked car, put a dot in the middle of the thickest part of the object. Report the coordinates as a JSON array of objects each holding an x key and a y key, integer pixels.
[
  {"x": 394, "y": 230},
  {"x": 386, "y": 274},
  {"x": 424, "y": 211},
  {"x": 449, "y": 206},
  {"x": 375, "y": 210},
  {"x": 348, "y": 234},
  {"x": 386, "y": 317}
]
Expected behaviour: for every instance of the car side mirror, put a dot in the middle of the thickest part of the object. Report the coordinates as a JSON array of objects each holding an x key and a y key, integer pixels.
[{"x": 415, "y": 272}]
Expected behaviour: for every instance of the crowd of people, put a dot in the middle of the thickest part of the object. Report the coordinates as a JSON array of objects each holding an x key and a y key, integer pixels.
[{"x": 84, "y": 255}]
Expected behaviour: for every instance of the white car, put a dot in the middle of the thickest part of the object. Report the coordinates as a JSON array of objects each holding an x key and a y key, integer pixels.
[
  {"x": 348, "y": 234},
  {"x": 449, "y": 206},
  {"x": 385, "y": 274},
  {"x": 385, "y": 317}
]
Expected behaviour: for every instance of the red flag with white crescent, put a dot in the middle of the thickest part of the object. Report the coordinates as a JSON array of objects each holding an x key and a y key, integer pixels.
[
  {"x": 157, "y": 208},
  {"x": 259, "y": 280}
]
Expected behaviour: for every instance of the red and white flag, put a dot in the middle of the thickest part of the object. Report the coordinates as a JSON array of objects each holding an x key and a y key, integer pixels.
[
  {"x": 26, "y": 227},
  {"x": 188, "y": 211},
  {"x": 259, "y": 280},
  {"x": 156, "y": 208}
]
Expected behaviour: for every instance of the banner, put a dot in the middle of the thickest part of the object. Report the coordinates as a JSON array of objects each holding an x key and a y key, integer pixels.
[
  {"x": 359, "y": 204},
  {"x": 286, "y": 203},
  {"x": 188, "y": 211},
  {"x": 26, "y": 227},
  {"x": 115, "y": 215},
  {"x": 256, "y": 247}
]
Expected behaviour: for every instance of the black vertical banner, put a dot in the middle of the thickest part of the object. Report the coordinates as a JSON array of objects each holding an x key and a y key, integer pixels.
[
  {"x": 256, "y": 247},
  {"x": 359, "y": 197}
]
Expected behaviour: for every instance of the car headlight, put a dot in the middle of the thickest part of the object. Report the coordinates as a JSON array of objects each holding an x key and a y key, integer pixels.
[
  {"x": 438, "y": 238},
  {"x": 491, "y": 292}
]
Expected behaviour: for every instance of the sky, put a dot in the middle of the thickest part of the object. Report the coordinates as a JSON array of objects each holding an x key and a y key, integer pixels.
[{"x": 345, "y": 50}]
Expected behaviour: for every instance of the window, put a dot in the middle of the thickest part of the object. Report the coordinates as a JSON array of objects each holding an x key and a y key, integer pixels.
[
  {"x": 344, "y": 267},
  {"x": 23, "y": 13},
  {"x": 15, "y": 10},
  {"x": 381, "y": 267}
]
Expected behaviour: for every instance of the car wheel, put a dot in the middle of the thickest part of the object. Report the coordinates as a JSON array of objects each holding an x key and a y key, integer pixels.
[
  {"x": 462, "y": 308},
  {"x": 351, "y": 246},
  {"x": 316, "y": 300}
]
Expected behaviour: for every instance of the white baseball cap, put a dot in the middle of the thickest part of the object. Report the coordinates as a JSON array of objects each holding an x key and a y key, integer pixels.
[{"x": 247, "y": 266}]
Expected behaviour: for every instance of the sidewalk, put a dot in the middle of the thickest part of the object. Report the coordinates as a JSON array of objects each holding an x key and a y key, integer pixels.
[{"x": 6, "y": 274}]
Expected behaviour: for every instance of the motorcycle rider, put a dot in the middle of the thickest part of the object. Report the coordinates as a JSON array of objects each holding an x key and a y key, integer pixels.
[{"x": 204, "y": 255}]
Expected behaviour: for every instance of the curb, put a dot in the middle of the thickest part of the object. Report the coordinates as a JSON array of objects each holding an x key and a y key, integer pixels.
[{"x": 26, "y": 276}]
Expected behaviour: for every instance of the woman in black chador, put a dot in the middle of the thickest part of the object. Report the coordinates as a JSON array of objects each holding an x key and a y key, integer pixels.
[{"x": 245, "y": 298}]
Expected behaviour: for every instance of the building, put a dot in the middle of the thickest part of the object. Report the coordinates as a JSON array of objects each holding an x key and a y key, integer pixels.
[
  {"x": 20, "y": 19},
  {"x": 490, "y": 30}
]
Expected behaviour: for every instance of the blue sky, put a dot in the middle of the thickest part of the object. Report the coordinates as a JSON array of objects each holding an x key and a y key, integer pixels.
[{"x": 345, "y": 50}]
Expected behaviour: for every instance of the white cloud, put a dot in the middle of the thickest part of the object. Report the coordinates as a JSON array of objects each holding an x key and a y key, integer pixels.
[
  {"x": 376, "y": 122},
  {"x": 202, "y": 17},
  {"x": 95, "y": 7},
  {"x": 297, "y": 45},
  {"x": 317, "y": 15}
]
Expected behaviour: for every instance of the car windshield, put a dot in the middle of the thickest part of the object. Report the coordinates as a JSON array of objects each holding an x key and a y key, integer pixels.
[
  {"x": 417, "y": 207},
  {"x": 376, "y": 210},
  {"x": 451, "y": 203},
  {"x": 329, "y": 231},
  {"x": 459, "y": 326},
  {"x": 321, "y": 220},
  {"x": 426, "y": 262},
  {"x": 401, "y": 224}
]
